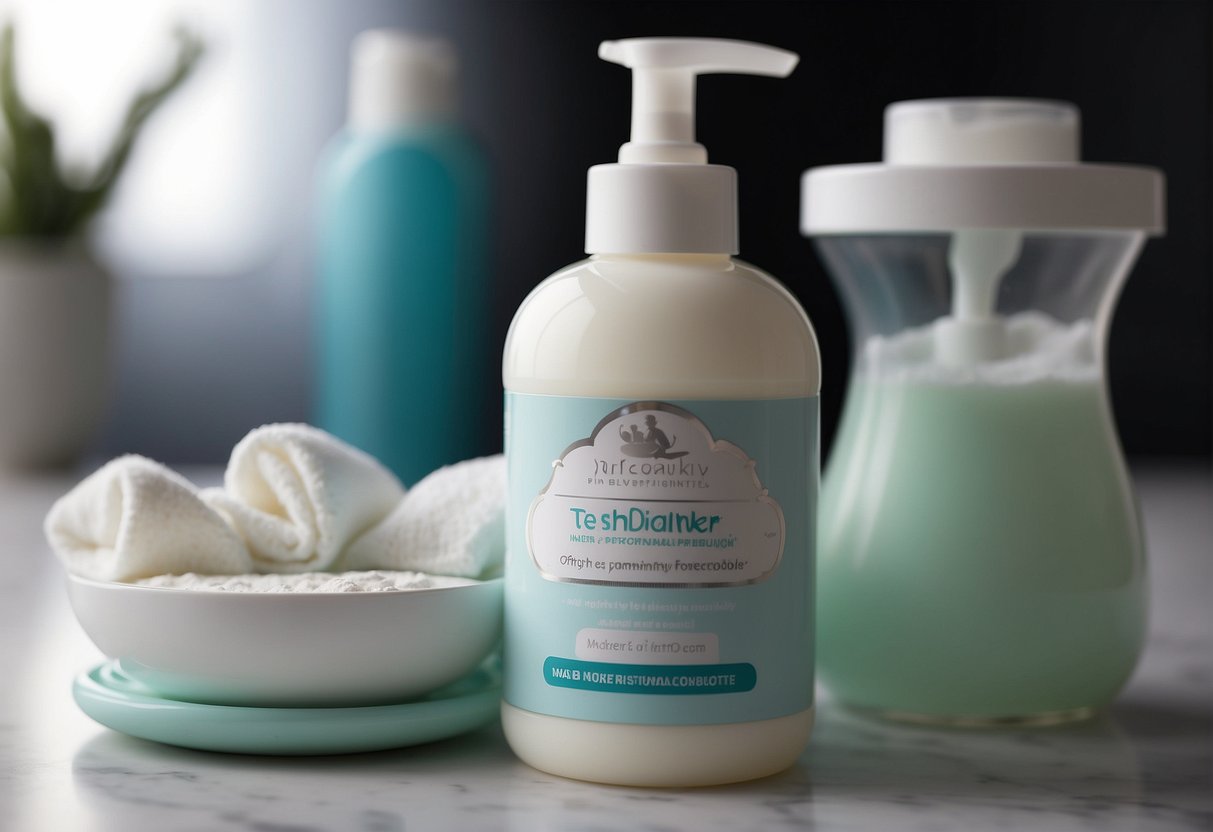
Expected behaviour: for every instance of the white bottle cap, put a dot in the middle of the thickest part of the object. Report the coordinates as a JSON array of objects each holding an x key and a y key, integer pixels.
[
  {"x": 974, "y": 131},
  {"x": 960, "y": 163},
  {"x": 398, "y": 78},
  {"x": 663, "y": 197}
]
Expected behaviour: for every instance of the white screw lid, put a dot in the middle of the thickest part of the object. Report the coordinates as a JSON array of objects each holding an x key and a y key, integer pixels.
[
  {"x": 963, "y": 163},
  {"x": 400, "y": 78}
]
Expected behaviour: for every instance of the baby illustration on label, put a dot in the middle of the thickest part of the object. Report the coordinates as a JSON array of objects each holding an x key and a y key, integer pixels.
[{"x": 652, "y": 445}]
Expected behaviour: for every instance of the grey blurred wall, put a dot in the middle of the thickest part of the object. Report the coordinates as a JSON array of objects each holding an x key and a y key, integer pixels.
[{"x": 204, "y": 358}]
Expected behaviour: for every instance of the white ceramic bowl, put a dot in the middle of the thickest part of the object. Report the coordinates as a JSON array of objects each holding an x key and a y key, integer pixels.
[{"x": 291, "y": 649}]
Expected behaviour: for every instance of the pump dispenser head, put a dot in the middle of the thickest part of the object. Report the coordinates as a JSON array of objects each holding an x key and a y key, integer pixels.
[
  {"x": 663, "y": 196},
  {"x": 663, "y": 88}
]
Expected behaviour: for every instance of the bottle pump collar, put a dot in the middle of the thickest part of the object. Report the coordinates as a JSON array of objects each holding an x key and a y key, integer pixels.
[{"x": 663, "y": 196}]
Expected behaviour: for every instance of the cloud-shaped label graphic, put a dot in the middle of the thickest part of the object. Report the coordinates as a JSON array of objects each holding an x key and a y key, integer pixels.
[{"x": 651, "y": 498}]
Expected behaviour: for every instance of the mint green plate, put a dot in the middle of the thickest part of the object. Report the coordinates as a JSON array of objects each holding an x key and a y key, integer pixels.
[{"x": 116, "y": 701}]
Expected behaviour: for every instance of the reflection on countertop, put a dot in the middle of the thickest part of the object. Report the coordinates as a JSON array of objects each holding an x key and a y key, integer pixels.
[{"x": 1147, "y": 763}]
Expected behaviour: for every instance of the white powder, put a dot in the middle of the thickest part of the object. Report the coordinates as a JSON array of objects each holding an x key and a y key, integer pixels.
[
  {"x": 375, "y": 581},
  {"x": 1040, "y": 348}
]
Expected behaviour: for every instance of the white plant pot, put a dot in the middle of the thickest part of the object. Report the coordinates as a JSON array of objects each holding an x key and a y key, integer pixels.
[{"x": 54, "y": 350}]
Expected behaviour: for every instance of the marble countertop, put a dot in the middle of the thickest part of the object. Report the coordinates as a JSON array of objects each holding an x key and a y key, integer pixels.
[{"x": 1147, "y": 764}]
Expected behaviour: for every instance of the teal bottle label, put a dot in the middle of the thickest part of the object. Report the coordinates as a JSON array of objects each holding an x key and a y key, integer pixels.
[{"x": 660, "y": 558}]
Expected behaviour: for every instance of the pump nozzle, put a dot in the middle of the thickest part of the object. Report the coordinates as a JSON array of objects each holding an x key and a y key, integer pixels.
[
  {"x": 663, "y": 197},
  {"x": 663, "y": 88}
]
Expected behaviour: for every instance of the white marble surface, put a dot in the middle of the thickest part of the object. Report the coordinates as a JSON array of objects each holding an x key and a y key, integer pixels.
[{"x": 1145, "y": 765}]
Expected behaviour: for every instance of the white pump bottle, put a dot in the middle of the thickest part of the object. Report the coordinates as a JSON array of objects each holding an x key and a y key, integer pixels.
[{"x": 662, "y": 441}]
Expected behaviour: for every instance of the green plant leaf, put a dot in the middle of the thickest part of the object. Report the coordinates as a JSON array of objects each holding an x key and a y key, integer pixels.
[
  {"x": 39, "y": 201},
  {"x": 91, "y": 199},
  {"x": 37, "y": 193}
]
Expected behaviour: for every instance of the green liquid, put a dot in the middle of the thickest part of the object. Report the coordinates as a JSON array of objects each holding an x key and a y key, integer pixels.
[{"x": 980, "y": 550}]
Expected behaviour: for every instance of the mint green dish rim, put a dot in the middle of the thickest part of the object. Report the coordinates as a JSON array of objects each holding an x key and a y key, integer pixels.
[{"x": 111, "y": 698}]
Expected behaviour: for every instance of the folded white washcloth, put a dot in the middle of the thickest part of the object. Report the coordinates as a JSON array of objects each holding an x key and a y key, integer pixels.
[
  {"x": 298, "y": 496},
  {"x": 450, "y": 523},
  {"x": 134, "y": 518}
]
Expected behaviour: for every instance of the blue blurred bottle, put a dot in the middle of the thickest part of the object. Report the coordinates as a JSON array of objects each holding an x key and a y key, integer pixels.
[{"x": 404, "y": 360}]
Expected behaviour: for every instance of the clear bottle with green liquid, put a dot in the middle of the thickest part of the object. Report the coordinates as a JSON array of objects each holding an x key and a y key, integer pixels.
[{"x": 981, "y": 559}]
